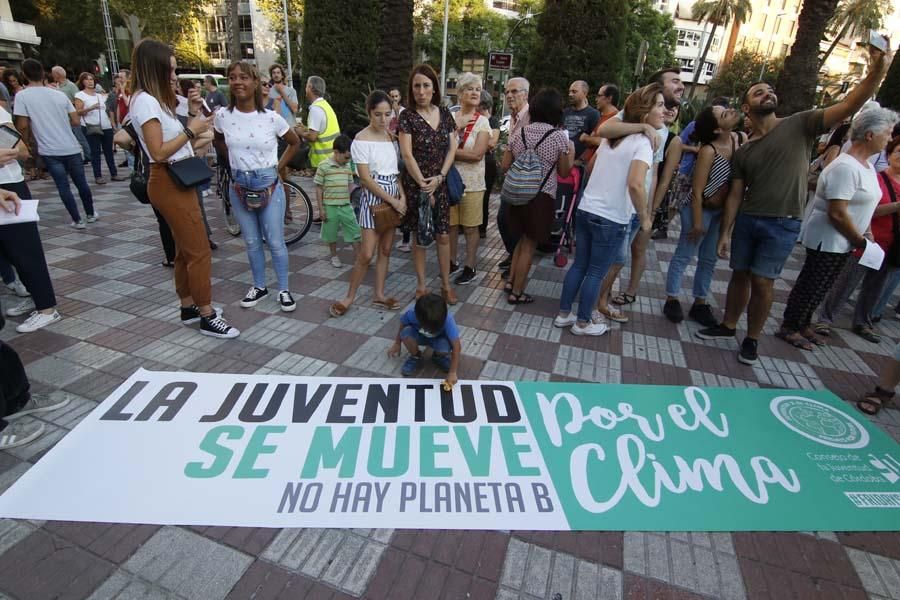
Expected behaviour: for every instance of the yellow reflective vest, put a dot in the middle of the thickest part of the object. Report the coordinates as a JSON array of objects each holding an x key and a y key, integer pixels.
[{"x": 321, "y": 149}]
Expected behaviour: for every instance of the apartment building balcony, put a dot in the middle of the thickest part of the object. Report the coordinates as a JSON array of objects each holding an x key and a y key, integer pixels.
[{"x": 13, "y": 31}]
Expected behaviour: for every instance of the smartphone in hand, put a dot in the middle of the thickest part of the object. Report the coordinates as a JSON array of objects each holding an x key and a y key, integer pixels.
[{"x": 878, "y": 41}]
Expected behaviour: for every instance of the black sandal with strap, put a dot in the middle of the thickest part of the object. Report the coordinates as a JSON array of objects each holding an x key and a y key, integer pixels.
[
  {"x": 522, "y": 298},
  {"x": 875, "y": 401}
]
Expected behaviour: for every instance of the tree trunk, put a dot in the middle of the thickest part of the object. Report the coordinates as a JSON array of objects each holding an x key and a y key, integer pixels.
[
  {"x": 234, "y": 31},
  {"x": 834, "y": 43},
  {"x": 698, "y": 69},
  {"x": 395, "y": 48},
  {"x": 796, "y": 85}
]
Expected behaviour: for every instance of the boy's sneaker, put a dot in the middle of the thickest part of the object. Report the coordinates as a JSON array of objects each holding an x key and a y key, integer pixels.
[
  {"x": 590, "y": 329},
  {"x": 716, "y": 332},
  {"x": 216, "y": 326},
  {"x": 254, "y": 295},
  {"x": 673, "y": 311},
  {"x": 22, "y": 308},
  {"x": 336, "y": 262},
  {"x": 286, "y": 301},
  {"x": 17, "y": 288},
  {"x": 93, "y": 218},
  {"x": 441, "y": 361},
  {"x": 748, "y": 354},
  {"x": 38, "y": 320},
  {"x": 39, "y": 403},
  {"x": 79, "y": 224},
  {"x": 702, "y": 313},
  {"x": 566, "y": 321},
  {"x": 465, "y": 277},
  {"x": 411, "y": 365},
  {"x": 19, "y": 434},
  {"x": 191, "y": 314},
  {"x": 100, "y": 181}
]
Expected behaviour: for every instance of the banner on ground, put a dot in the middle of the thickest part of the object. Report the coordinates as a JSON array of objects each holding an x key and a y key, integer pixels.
[{"x": 279, "y": 451}]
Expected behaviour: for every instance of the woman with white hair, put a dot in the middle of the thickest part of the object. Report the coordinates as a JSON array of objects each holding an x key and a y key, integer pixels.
[
  {"x": 474, "y": 133},
  {"x": 846, "y": 196}
]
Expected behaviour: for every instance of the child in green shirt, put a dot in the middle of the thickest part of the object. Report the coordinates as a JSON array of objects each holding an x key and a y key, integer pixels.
[{"x": 333, "y": 179}]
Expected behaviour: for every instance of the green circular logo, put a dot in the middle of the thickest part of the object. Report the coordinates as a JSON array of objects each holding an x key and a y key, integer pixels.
[{"x": 820, "y": 422}]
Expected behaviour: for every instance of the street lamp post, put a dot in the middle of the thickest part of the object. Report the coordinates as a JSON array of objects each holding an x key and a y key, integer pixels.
[
  {"x": 287, "y": 43},
  {"x": 443, "y": 89},
  {"x": 528, "y": 15},
  {"x": 775, "y": 29}
]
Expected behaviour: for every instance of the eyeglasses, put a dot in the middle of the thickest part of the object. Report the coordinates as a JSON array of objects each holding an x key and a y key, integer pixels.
[{"x": 515, "y": 91}]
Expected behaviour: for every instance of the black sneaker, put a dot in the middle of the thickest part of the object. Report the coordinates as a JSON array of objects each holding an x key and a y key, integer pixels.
[
  {"x": 216, "y": 326},
  {"x": 702, "y": 313},
  {"x": 454, "y": 267},
  {"x": 253, "y": 296},
  {"x": 504, "y": 264},
  {"x": 660, "y": 234},
  {"x": 286, "y": 301},
  {"x": 191, "y": 314},
  {"x": 716, "y": 332},
  {"x": 748, "y": 354},
  {"x": 465, "y": 277},
  {"x": 673, "y": 311}
]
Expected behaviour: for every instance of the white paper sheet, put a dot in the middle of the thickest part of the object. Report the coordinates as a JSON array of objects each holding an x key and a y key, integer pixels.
[
  {"x": 872, "y": 256},
  {"x": 27, "y": 214}
]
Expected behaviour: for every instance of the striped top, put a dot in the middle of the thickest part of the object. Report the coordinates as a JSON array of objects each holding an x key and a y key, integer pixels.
[
  {"x": 335, "y": 181},
  {"x": 719, "y": 172}
]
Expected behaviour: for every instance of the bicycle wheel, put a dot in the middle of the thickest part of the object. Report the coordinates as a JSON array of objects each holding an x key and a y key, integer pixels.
[
  {"x": 298, "y": 213},
  {"x": 223, "y": 182}
]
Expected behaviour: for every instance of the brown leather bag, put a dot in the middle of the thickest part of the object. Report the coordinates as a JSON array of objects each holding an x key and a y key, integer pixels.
[{"x": 386, "y": 217}]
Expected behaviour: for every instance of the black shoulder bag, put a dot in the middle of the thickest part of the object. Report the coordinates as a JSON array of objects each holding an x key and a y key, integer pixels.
[{"x": 893, "y": 253}]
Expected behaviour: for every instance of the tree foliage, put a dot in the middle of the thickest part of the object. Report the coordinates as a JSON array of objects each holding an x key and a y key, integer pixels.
[
  {"x": 340, "y": 44},
  {"x": 395, "y": 46},
  {"x": 473, "y": 30},
  {"x": 647, "y": 23},
  {"x": 580, "y": 39},
  {"x": 719, "y": 13},
  {"x": 855, "y": 18},
  {"x": 889, "y": 94},
  {"x": 274, "y": 12},
  {"x": 166, "y": 20},
  {"x": 741, "y": 72},
  {"x": 71, "y": 32}
]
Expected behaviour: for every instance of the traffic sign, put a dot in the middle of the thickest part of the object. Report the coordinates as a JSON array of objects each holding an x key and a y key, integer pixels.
[{"x": 500, "y": 61}]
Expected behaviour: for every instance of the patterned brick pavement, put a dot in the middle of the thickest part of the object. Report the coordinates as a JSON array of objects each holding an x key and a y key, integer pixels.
[{"x": 119, "y": 314}]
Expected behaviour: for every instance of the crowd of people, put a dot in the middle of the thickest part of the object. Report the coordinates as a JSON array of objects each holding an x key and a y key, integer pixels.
[{"x": 738, "y": 177}]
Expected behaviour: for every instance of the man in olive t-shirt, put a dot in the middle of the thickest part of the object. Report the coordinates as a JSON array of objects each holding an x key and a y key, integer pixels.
[{"x": 767, "y": 197}]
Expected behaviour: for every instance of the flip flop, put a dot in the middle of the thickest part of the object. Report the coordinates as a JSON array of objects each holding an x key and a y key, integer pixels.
[
  {"x": 338, "y": 310},
  {"x": 614, "y": 315},
  {"x": 812, "y": 337},
  {"x": 822, "y": 329},
  {"x": 389, "y": 303},
  {"x": 795, "y": 339},
  {"x": 875, "y": 401},
  {"x": 623, "y": 299}
]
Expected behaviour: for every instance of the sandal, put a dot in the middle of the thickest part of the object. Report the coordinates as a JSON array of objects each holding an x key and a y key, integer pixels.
[
  {"x": 449, "y": 297},
  {"x": 522, "y": 298},
  {"x": 623, "y": 298},
  {"x": 507, "y": 287},
  {"x": 822, "y": 329},
  {"x": 812, "y": 337},
  {"x": 866, "y": 333},
  {"x": 338, "y": 310},
  {"x": 875, "y": 401},
  {"x": 420, "y": 294},
  {"x": 614, "y": 315},
  {"x": 389, "y": 303},
  {"x": 795, "y": 339}
]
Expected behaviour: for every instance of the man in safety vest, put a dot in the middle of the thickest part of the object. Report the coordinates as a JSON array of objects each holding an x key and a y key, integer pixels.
[{"x": 322, "y": 124}]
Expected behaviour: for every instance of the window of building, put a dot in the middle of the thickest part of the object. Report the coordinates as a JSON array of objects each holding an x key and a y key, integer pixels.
[
  {"x": 771, "y": 47},
  {"x": 511, "y": 5},
  {"x": 688, "y": 39},
  {"x": 247, "y": 51},
  {"x": 793, "y": 29},
  {"x": 687, "y": 65},
  {"x": 215, "y": 50},
  {"x": 245, "y": 23},
  {"x": 709, "y": 69},
  {"x": 662, "y": 5},
  {"x": 473, "y": 65},
  {"x": 785, "y": 49}
]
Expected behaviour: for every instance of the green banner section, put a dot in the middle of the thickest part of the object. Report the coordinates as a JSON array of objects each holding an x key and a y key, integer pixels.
[{"x": 627, "y": 457}]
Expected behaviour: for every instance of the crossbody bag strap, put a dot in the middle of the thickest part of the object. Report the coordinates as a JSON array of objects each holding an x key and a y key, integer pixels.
[{"x": 468, "y": 130}]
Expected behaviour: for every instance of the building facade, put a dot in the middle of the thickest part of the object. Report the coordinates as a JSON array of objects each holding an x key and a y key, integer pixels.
[
  {"x": 257, "y": 38},
  {"x": 13, "y": 34}
]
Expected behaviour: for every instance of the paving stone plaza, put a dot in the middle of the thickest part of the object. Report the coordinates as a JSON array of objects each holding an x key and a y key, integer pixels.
[{"x": 120, "y": 314}]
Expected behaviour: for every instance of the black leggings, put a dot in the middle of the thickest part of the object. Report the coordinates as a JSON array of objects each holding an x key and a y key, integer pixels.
[
  {"x": 20, "y": 246},
  {"x": 819, "y": 272}
]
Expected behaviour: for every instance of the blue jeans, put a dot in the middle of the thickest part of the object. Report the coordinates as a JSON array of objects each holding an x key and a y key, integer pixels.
[
  {"x": 597, "y": 240},
  {"x": 102, "y": 144},
  {"x": 705, "y": 250},
  {"x": 762, "y": 245},
  {"x": 82, "y": 139},
  {"x": 267, "y": 223},
  {"x": 623, "y": 255},
  {"x": 890, "y": 284},
  {"x": 63, "y": 167},
  {"x": 439, "y": 344}
]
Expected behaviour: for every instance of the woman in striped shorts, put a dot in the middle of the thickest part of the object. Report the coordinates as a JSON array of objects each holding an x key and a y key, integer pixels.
[
  {"x": 375, "y": 157},
  {"x": 701, "y": 215}
]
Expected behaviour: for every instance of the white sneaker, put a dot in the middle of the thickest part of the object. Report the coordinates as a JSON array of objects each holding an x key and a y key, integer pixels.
[
  {"x": 39, "y": 403},
  {"x": 597, "y": 317},
  {"x": 22, "y": 308},
  {"x": 567, "y": 321},
  {"x": 19, "y": 434},
  {"x": 79, "y": 224},
  {"x": 37, "y": 321},
  {"x": 286, "y": 301},
  {"x": 590, "y": 329},
  {"x": 18, "y": 289},
  {"x": 93, "y": 218},
  {"x": 336, "y": 262}
]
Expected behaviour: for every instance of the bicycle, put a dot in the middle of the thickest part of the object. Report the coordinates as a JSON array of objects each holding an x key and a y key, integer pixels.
[{"x": 298, "y": 214}]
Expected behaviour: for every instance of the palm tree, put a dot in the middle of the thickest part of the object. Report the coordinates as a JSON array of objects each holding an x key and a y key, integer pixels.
[
  {"x": 395, "y": 47},
  {"x": 797, "y": 83},
  {"x": 855, "y": 18},
  {"x": 717, "y": 12}
]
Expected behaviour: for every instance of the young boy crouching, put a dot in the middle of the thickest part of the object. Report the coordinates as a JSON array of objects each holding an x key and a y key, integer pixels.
[{"x": 429, "y": 324}]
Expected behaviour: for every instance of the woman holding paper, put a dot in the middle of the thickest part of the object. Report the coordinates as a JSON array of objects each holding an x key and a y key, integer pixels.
[
  {"x": 20, "y": 245},
  {"x": 846, "y": 195}
]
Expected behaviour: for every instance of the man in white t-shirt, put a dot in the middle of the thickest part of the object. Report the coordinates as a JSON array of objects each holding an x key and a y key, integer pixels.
[{"x": 50, "y": 115}]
